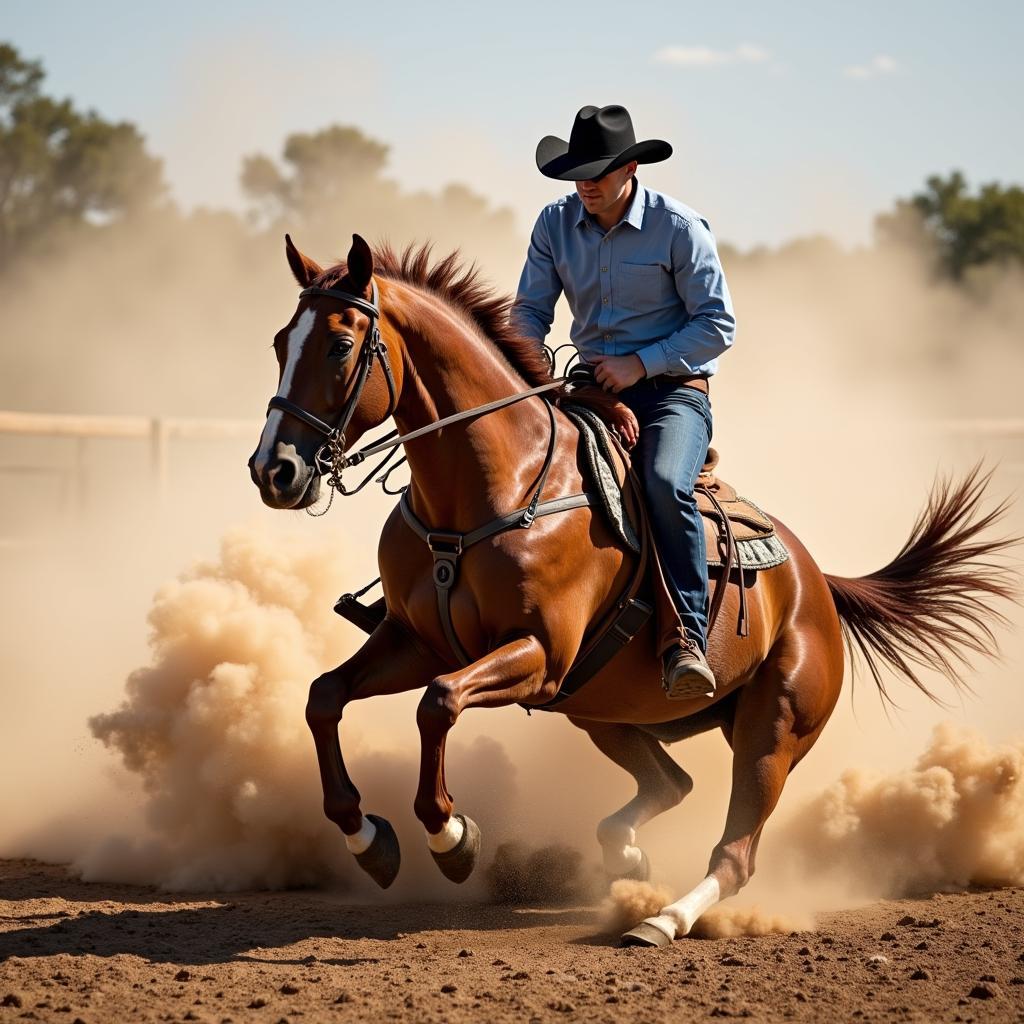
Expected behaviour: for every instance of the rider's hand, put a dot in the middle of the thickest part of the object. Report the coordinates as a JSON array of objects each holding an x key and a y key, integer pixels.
[
  {"x": 622, "y": 420},
  {"x": 614, "y": 373}
]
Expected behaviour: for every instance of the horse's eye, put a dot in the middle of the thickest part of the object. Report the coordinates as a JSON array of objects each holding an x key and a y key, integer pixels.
[{"x": 340, "y": 348}]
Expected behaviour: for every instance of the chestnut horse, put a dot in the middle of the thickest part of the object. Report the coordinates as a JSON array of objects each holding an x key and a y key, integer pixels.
[{"x": 524, "y": 599}]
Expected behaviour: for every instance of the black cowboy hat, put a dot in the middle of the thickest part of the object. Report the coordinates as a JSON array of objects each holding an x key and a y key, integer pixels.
[{"x": 602, "y": 140}]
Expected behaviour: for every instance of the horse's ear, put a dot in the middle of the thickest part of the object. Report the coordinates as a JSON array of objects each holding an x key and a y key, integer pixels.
[
  {"x": 360, "y": 264},
  {"x": 304, "y": 269}
]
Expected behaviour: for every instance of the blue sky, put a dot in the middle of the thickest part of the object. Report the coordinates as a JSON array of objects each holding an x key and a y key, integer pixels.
[{"x": 786, "y": 118}]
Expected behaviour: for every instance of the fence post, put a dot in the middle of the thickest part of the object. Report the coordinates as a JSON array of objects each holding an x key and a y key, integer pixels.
[
  {"x": 158, "y": 453},
  {"x": 81, "y": 478}
]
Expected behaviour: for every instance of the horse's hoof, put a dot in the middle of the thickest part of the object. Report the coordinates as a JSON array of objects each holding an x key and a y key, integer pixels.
[
  {"x": 641, "y": 873},
  {"x": 645, "y": 934},
  {"x": 457, "y": 863},
  {"x": 383, "y": 857}
]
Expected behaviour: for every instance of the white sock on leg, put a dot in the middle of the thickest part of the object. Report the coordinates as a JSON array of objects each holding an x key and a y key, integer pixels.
[
  {"x": 359, "y": 842},
  {"x": 449, "y": 836},
  {"x": 678, "y": 918}
]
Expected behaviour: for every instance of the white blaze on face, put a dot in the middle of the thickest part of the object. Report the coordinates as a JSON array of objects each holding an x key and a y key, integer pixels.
[{"x": 297, "y": 337}]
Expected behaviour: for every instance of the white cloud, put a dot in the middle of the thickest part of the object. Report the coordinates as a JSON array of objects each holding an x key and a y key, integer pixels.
[
  {"x": 880, "y": 64},
  {"x": 705, "y": 57},
  {"x": 749, "y": 52}
]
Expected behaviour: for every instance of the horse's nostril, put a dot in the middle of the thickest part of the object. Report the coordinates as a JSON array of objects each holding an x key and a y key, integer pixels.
[
  {"x": 287, "y": 470},
  {"x": 283, "y": 474}
]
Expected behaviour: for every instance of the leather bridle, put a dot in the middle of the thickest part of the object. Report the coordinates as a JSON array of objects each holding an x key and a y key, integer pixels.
[{"x": 330, "y": 457}]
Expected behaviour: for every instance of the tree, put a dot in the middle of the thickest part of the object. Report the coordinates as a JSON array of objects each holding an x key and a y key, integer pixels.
[
  {"x": 325, "y": 169},
  {"x": 331, "y": 183},
  {"x": 61, "y": 168},
  {"x": 963, "y": 230}
]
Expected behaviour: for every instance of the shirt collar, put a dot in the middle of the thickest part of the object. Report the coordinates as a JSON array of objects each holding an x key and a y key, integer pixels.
[
  {"x": 634, "y": 216},
  {"x": 581, "y": 217}
]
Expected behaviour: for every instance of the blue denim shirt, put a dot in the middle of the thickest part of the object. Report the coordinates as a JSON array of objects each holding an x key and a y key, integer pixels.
[{"x": 651, "y": 285}]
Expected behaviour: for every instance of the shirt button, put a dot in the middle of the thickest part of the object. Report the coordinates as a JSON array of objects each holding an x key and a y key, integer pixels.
[
  {"x": 604, "y": 270},
  {"x": 605, "y": 300},
  {"x": 607, "y": 337}
]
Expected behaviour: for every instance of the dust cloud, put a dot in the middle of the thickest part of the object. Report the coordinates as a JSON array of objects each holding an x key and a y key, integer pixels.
[
  {"x": 553, "y": 874},
  {"x": 629, "y": 902},
  {"x": 954, "y": 819},
  {"x": 235, "y": 642},
  {"x": 727, "y": 922}
]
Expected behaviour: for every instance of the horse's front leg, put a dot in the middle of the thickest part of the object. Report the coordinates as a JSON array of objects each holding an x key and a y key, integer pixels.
[
  {"x": 513, "y": 672},
  {"x": 389, "y": 662}
]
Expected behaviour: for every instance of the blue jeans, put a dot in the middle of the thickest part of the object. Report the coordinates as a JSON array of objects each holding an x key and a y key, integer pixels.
[{"x": 675, "y": 431}]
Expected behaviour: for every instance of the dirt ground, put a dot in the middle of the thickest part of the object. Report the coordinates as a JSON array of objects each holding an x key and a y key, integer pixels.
[{"x": 76, "y": 952}]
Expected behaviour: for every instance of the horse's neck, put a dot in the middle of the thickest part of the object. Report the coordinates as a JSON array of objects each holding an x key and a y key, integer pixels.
[{"x": 476, "y": 468}]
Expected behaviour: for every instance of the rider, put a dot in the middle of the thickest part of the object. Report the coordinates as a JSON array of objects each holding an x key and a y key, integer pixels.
[{"x": 651, "y": 314}]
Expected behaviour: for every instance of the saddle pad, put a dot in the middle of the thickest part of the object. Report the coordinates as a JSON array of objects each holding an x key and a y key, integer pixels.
[
  {"x": 600, "y": 463},
  {"x": 754, "y": 553},
  {"x": 756, "y": 542}
]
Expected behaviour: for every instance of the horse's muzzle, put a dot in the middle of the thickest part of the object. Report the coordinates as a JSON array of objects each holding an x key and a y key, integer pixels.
[{"x": 285, "y": 479}]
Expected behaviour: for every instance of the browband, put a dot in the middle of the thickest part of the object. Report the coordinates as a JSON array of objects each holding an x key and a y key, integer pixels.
[{"x": 371, "y": 308}]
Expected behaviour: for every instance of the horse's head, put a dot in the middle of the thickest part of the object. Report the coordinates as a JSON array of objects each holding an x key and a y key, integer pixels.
[{"x": 328, "y": 394}]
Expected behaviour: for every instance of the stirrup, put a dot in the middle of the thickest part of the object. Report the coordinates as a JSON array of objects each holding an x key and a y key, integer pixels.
[{"x": 366, "y": 617}]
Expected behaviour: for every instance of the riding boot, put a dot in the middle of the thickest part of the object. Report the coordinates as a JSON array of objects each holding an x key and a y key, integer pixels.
[{"x": 686, "y": 674}]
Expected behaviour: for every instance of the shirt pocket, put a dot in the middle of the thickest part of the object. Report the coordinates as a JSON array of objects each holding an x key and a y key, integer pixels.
[{"x": 644, "y": 286}]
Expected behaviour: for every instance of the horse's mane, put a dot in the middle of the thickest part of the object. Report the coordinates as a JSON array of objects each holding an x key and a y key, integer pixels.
[{"x": 461, "y": 286}]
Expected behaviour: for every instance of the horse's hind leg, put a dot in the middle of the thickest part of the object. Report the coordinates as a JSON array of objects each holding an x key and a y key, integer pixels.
[
  {"x": 513, "y": 672},
  {"x": 660, "y": 785},
  {"x": 778, "y": 717},
  {"x": 388, "y": 662}
]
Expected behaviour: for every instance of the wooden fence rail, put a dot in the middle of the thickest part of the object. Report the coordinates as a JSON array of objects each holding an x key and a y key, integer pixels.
[
  {"x": 159, "y": 431},
  {"x": 47, "y": 424}
]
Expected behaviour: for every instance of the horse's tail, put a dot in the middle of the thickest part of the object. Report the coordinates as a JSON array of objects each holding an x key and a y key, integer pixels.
[{"x": 933, "y": 603}]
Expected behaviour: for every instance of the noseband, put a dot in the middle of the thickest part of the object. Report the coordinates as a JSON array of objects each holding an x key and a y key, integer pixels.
[{"x": 330, "y": 457}]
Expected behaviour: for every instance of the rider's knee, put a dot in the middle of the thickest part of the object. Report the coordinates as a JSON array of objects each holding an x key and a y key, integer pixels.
[{"x": 664, "y": 489}]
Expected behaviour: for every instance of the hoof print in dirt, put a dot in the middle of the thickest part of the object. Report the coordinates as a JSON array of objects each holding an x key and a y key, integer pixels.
[
  {"x": 383, "y": 857},
  {"x": 457, "y": 863},
  {"x": 645, "y": 934}
]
